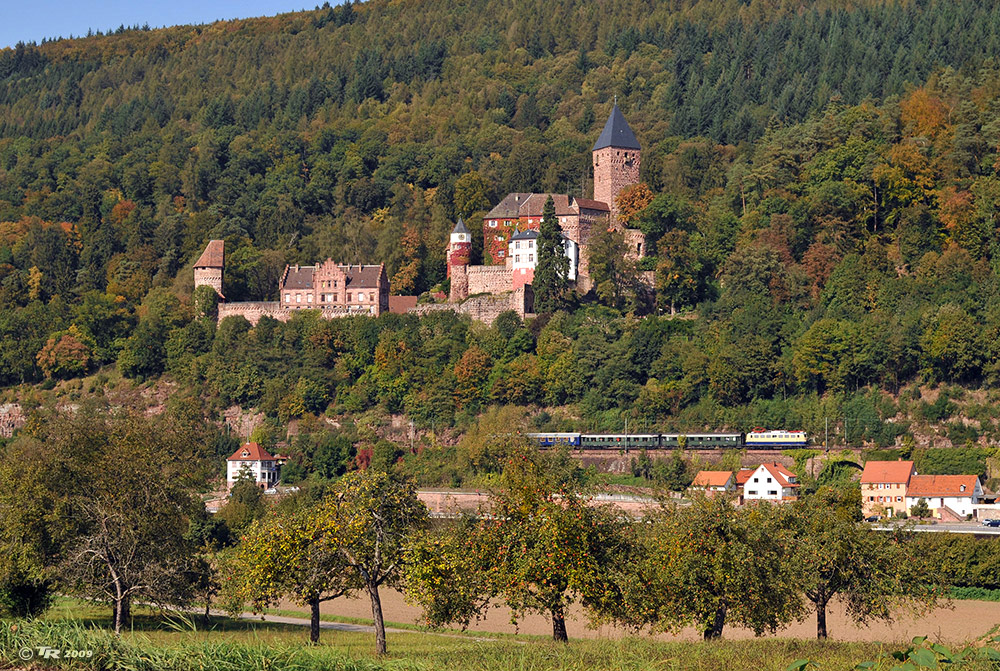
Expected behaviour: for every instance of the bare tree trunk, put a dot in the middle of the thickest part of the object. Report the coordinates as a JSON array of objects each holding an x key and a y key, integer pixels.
[
  {"x": 380, "y": 647},
  {"x": 714, "y": 630},
  {"x": 821, "y": 619},
  {"x": 559, "y": 626},
  {"x": 314, "y": 620}
]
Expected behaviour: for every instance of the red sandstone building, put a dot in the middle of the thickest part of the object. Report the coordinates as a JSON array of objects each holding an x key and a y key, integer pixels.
[
  {"x": 330, "y": 286},
  {"x": 616, "y": 159}
]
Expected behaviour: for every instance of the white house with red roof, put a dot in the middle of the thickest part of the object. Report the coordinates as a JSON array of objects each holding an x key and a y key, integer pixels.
[
  {"x": 253, "y": 459},
  {"x": 770, "y": 482},
  {"x": 948, "y": 496},
  {"x": 883, "y": 487},
  {"x": 712, "y": 482}
]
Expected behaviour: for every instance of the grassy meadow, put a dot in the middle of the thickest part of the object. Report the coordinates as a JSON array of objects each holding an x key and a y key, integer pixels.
[{"x": 158, "y": 643}]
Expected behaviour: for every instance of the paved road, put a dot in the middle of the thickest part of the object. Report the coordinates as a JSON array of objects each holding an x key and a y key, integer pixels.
[
  {"x": 947, "y": 528},
  {"x": 342, "y": 626}
]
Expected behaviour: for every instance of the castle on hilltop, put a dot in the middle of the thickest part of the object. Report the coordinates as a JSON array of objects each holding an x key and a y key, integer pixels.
[
  {"x": 333, "y": 289},
  {"x": 510, "y": 229},
  {"x": 510, "y": 249}
]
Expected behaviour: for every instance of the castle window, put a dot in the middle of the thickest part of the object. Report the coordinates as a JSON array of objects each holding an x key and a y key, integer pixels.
[
  {"x": 361, "y": 297},
  {"x": 309, "y": 298},
  {"x": 322, "y": 298},
  {"x": 288, "y": 298},
  {"x": 298, "y": 298},
  {"x": 348, "y": 298},
  {"x": 334, "y": 298}
]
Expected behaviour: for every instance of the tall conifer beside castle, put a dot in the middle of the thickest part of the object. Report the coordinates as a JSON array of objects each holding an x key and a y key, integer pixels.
[{"x": 551, "y": 281}]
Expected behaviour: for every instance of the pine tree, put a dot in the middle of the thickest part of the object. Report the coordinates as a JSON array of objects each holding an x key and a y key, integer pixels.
[{"x": 552, "y": 271}]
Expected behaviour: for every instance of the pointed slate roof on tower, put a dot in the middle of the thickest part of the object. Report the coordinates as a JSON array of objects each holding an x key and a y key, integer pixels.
[
  {"x": 617, "y": 133},
  {"x": 460, "y": 227}
]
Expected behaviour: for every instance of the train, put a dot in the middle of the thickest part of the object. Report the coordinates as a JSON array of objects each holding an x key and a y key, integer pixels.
[{"x": 756, "y": 439}]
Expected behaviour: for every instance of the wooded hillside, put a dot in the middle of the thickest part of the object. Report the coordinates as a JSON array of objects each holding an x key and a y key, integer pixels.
[{"x": 820, "y": 185}]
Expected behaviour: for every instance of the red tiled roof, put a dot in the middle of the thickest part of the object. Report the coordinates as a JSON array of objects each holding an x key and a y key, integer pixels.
[
  {"x": 251, "y": 452},
  {"x": 712, "y": 478},
  {"x": 942, "y": 485},
  {"x": 399, "y": 305},
  {"x": 781, "y": 474},
  {"x": 890, "y": 472},
  {"x": 743, "y": 475},
  {"x": 214, "y": 255}
]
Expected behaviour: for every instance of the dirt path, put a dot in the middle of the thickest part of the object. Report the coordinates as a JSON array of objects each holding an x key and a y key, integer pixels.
[{"x": 962, "y": 622}]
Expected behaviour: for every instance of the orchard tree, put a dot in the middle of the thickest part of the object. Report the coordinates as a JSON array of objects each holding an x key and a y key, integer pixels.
[
  {"x": 103, "y": 504},
  {"x": 711, "y": 564},
  {"x": 540, "y": 549},
  {"x": 289, "y": 554},
  {"x": 838, "y": 557},
  {"x": 371, "y": 518},
  {"x": 551, "y": 282}
]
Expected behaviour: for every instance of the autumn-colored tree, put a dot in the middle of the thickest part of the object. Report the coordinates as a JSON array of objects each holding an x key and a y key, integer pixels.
[
  {"x": 631, "y": 201},
  {"x": 471, "y": 375},
  {"x": 65, "y": 355}
]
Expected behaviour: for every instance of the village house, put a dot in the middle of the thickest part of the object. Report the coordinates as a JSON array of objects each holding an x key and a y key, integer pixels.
[
  {"x": 950, "y": 497},
  {"x": 257, "y": 462},
  {"x": 884, "y": 487},
  {"x": 714, "y": 482},
  {"x": 770, "y": 482}
]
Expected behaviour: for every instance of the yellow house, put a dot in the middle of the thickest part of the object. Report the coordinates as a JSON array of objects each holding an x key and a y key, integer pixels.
[{"x": 883, "y": 487}]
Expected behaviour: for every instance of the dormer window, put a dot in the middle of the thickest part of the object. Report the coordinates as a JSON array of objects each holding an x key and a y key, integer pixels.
[
  {"x": 245, "y": 453},
  {"x": 962, "y": 488}
]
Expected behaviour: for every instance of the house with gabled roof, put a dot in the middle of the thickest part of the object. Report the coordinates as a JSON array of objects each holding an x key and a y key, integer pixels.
[
  {"x": 257, "y": 462},
  {"x": 714, "y": 482},
  {"x": 884, "y": 485},
  {"x": 951, "y": 497},
  {"x": 770, "y": 482}
]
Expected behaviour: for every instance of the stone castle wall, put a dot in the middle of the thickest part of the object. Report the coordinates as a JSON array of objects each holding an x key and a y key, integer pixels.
[
  {"x": 459, "y": 283},
  {"x": 487, "y": 307},
  {"x": 254, "y": 311},
  {"x": 614, "y": 169},
  {"x": 488, "y": 279},
  {"x": 11, "y": 419}
]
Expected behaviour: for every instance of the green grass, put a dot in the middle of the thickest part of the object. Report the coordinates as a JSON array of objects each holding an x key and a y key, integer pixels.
[
  {"x": 974, "y": 594},
  {"x": 155, "y": 643}
]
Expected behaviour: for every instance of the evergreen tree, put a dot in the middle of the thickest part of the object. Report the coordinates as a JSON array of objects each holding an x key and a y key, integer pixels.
[{"x": 552, "y": 271}]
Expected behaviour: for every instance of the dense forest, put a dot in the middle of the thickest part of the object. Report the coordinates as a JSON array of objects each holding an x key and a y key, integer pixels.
[{"x": 819, "y": 192}]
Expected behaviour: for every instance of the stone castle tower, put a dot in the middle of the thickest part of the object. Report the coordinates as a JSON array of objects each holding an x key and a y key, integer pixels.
[
  {"x": 208, "y": 267},
  {"x": 616, "y": 156},
  {"x": 459, "y": 253}
]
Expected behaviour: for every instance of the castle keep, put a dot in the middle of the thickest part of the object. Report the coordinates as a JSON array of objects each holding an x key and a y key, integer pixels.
[{"x": 509, "y": 228}]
